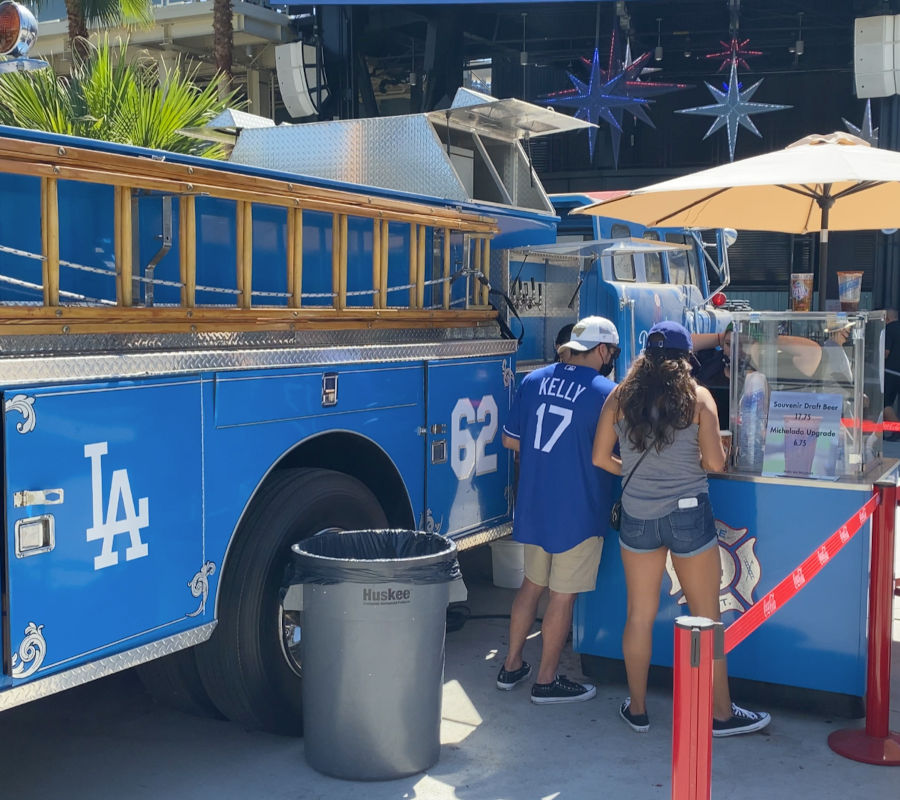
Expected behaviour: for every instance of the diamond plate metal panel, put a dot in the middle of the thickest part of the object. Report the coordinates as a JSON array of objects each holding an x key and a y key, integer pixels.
[
  {"x": 465, "y": 541},
  {"x": 109, "y": 357},
  {"x": 232, "y": 118},
  {"x": 469, "y": 97},
  {"x": 399, "y": 153},
  {"x": 53, "y": 344},
  {"x": 507, "y": 119},
  {"x": 42, "y": 687}
]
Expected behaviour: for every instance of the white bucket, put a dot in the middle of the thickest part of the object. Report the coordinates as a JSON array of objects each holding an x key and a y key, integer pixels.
[{"x": 508, "y": 563}]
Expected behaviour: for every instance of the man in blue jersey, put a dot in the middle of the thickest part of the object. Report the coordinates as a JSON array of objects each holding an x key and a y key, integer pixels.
[{"x": 562, "y": 501}]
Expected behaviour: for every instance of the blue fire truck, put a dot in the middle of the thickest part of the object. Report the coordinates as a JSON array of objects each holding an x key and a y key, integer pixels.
[{"x": 202, "y": 363}]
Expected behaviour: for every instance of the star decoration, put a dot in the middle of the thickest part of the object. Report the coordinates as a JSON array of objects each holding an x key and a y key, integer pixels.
[
  {"x": 638, "y": 88},
  {"x": 610, "y": 93},
  {"x": 866, "y": 131},
  {"x": 733, "y": 109},
  {"x": 735, "y": 52}
]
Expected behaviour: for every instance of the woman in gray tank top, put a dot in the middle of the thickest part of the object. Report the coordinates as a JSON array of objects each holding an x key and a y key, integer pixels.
[{"x": 667, "y": 429}]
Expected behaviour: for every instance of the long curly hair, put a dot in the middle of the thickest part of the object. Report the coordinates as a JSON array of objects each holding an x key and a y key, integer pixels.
[{"x": 657, "y": 397}]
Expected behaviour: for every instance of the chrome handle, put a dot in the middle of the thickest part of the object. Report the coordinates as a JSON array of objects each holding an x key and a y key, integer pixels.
[{"x": 38, "y": 497}]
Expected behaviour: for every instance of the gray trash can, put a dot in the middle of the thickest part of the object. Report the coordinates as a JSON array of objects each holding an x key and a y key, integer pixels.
[{"x": 373, "y": 625}]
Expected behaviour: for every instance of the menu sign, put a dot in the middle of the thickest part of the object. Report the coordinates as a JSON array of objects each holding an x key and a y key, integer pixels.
[{"x": 803, "y": 435}]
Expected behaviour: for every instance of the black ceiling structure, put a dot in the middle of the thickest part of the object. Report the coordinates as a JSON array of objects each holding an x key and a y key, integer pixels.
[
  {"x": 391, "y": 59},
  {"x": 388, "y": 59}
]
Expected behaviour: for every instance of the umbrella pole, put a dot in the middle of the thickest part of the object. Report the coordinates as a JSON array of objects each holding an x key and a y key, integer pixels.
[
  {"x": 825, "y": 203},
  {"x": 823, "y": 265}
]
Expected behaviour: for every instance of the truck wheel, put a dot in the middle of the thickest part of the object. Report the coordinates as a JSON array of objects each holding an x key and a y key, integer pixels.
[
  {"x": 174, "y": 681},
  {"x": 251, "y": 665}
]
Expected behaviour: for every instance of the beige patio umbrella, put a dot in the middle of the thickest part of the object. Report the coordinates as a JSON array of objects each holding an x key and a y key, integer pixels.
[{"x": 834, "y": 182}]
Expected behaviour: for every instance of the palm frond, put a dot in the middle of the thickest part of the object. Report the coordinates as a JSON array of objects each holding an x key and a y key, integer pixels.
[
  {"x": 110, "y": 13},
  {"x": 112, "y": 96}
]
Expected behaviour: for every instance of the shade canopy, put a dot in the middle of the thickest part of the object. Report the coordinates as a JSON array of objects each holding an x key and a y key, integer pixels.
[
  {"x": 778, "y": 191},
  {"x": 834, "y": 182}
]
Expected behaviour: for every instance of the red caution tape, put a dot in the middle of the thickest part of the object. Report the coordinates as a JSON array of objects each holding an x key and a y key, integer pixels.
[
  {"x": 870, "y": 426},
  {"x": 762, "y": 609}
]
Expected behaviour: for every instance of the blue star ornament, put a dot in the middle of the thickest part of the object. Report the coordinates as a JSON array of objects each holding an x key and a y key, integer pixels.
[
  {"x": 865, "y": 131},
  {"x": 733, "y": 109},
  {"x": 600, "y": 98},
  {"x": 610, "y": 93},
  {"x": 635, "y": 87}
]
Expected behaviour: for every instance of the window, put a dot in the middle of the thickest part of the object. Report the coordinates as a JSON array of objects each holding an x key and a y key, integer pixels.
[
  {"x": 623, "y": 263},
  {"x": 477, "y": 75},
  {"x": 652, "y": 262},
  {"x": 682, "y": 265}
]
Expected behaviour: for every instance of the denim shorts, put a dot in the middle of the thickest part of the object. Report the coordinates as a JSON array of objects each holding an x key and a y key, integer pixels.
[{"x": 685, "y": 531}]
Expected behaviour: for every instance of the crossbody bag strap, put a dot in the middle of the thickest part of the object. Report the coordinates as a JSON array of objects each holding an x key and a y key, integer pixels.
[{"x": 634, "y": 468}]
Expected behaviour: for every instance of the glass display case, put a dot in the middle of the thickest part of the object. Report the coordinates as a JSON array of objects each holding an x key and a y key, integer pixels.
[{"x": 806, "y": 394}]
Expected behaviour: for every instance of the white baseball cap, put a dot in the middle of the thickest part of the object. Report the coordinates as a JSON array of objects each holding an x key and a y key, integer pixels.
[{"x": 591, "y": 331}]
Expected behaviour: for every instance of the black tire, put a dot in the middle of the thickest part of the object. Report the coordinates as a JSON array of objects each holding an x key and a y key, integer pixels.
[
  {"x": 243, "y": 666},
  {"x": 174, "y": 681}
]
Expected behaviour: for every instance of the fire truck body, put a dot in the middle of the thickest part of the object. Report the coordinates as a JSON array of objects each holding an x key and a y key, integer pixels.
[{"x": 202, "y": 363}]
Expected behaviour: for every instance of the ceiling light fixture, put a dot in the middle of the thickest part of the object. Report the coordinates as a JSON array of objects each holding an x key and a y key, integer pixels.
[
  {"x": 658, "y": 51},
  {"x": 523, "y": 53}
]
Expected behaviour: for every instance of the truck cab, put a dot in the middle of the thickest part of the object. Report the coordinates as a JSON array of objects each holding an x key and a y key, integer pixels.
[{"x": 632, "y": 275}]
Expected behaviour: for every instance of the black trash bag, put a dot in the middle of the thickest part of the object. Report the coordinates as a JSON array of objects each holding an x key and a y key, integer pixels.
[{"x": 374, "y": 556}]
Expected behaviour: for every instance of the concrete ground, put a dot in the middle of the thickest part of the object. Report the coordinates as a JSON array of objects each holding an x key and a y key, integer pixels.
[{"x": 108, "y": 739}]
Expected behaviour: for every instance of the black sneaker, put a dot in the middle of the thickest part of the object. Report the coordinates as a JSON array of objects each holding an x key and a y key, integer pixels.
[
  {"x": 509, "y": 679},
  {"x": 742, "y": 721},
  {"x": 637, "y": 722},
  {"x": 562, "y": 690}
]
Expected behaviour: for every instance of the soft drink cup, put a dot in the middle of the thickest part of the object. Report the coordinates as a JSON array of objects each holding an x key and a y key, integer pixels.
[
  {"x": 725, "y": 436},
  {"x": 849, "y": 286},
  {"x": 801, "y": 291}
]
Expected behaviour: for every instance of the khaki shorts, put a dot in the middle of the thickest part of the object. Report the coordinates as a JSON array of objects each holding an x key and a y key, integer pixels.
[{"x": 570, "y": 572}]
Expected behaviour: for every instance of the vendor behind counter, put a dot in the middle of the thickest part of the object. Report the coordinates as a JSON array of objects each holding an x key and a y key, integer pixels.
[
  {"x": 713, "y": 374},
  {"x": 800, "y": 359},
  {"x": 713, "y": 369}
]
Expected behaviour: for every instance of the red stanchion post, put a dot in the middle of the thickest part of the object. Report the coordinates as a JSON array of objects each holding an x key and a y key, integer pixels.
[
  {"x": 697, "y": 641},
  {"x": 877, "y": 744}
]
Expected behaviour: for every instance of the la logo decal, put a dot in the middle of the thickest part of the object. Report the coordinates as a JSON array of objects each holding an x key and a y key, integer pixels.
[{"x": 107, "y": 529}]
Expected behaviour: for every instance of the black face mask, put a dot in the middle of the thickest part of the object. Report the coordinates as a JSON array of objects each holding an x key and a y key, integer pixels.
[{"x": 607, "y": 368}]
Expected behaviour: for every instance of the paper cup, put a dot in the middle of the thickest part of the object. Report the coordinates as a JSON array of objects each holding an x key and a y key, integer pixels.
[
  {"x": 801, "y": 291},
  {"x": 725, "y": 436},
  {"x": 849, "y": 286},
  {"x": 800, "y": 450}
]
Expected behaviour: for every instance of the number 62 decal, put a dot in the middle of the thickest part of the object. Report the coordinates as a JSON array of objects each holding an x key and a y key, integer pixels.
[{"x": 467, "y": 453}]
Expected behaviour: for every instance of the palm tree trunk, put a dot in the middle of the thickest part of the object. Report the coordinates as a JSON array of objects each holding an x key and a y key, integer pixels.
[
  {"x": 223, "y": 38},
  {"x": 78, "y": 33}
]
